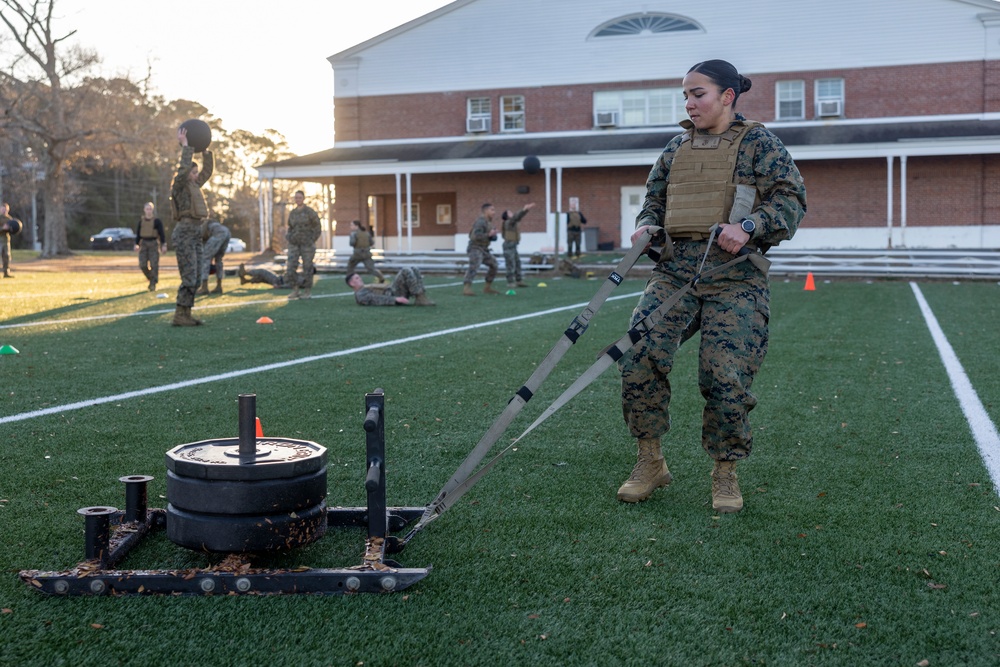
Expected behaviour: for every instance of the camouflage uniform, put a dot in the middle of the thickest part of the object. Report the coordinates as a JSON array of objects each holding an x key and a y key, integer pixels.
[
  {"x": 216, "y": 239},
  {"x": 730, "y": 309},
  {"x": 479, "y": 251},
  {"x": 150, "y": 236},
  {"x": 262, "y": 276},
  {"x": 269, "y": 277},
  {"x": 511, "y": 237},
  {"x": 361, "y": 241},
  {"x": 190, "y": 214},
  {"x": 408, "y": 282},
  {"x": 8, "y": 227},
  {"x": 304, "y": 229},
  {"x": 574, "y": 232}
]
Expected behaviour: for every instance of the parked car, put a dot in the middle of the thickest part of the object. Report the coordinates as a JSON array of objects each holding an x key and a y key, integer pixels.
[
  {"x": 113, "y": 238},
  {"x": 236, "y": 245}
]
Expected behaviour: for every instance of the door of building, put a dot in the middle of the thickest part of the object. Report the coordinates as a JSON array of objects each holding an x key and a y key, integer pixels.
[{"x": 632, "y": 198}]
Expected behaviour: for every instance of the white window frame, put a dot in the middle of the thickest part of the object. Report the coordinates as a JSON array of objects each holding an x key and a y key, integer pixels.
[
  {"x": 514, "y": 120},
  {"x": 474, "y": 113},
  {"x": 787, "y": 93},
  {"x": 828, "y": 95},
  {"x": 637, "y": 107}
]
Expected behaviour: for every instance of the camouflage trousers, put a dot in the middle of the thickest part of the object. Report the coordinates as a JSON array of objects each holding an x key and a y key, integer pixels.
[
  {"x": 149, "y": 259},
  {"x": 306, "y": 252},
  {"x": 512, "y": 261},
  {"x": 573, "y": 237},
  {"x": 186, "y": 239},
  {"x": 265, "y": 276},
  {"x": 408, "y": 282},
  {"x": 478, "y": 256},
  {"x": 5, "y": 252},
  {"x": 731, "y": 310},
  {"x": 214, "y": 249},
  {"x": 366, "y": 259}
]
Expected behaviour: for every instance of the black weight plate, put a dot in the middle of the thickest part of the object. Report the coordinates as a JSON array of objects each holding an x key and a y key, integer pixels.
[
  {"x": 245, "y": 534},
  {"x": 276, "y": 458},
  {"x": 264, "y": 496}
]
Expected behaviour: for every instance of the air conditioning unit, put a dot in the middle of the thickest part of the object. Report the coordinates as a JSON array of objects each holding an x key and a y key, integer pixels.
[
  {"x": 829, "y": 108},
  {"x": 606, "y": 118},
  {"x": 477, "y": 124}
]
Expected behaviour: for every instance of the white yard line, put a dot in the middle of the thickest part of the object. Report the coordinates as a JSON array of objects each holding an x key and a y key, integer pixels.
[
  {"x": 983, "y": 429},
  {"x": 291, "y": 362}
]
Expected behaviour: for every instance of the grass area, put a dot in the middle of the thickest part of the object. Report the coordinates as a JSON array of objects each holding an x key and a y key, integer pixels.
[{"x": 870, "y": 532}]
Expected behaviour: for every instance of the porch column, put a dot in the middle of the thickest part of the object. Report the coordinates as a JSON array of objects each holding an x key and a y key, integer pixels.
[{"x": 890, "y": 160}]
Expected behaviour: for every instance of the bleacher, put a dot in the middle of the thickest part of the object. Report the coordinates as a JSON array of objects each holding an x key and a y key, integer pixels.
[{"x": 894, "y": 263}]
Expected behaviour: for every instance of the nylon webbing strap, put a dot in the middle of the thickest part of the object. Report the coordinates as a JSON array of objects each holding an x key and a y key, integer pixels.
[
  {"x": 446, "y": 497},
  {"x": 607, "y": 358},
  {"x": 624, "y": 344}
]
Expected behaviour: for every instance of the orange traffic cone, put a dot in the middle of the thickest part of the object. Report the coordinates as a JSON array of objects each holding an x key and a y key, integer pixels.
[
  {"x": 810, "y": 284},
  {"x": 260, "y": 431}
]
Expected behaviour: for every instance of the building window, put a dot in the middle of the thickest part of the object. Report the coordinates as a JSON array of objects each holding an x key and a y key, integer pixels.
[
  {"x": 636, "y": 108},
  {"x": 790, "y": 100},
  {"x": 829, "y": 98},
  {"x": 478, "y": 117},
  {"x": 444, "y": 214},
  {"x": 512, "y": 112},
  {"x": 651, "y": 23}
]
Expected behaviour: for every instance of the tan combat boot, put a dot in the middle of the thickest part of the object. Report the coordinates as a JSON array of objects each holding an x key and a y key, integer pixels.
[
  {"x": 218, "y": 284},
  {"x": 726, "y": 496},
  {"x": 294, "y": 295},
  {"x": 467, "y": 290},
  {"x": 242, "y": 272},
  {"x": 306, "y": 293},
  {"x": 489, "y": 288},
  {"x": 422, "y": 300},
  {"x": 650, "y": 473},
  {"x": 183, "y": 317},
  {"x": 521, "y": 283}
]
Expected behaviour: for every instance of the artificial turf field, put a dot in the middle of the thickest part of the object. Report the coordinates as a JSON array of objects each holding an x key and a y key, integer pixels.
[{"x": 871, "y": 533}]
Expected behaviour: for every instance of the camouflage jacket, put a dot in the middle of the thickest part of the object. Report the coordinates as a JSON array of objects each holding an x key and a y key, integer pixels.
[
  {"x": 511, "y": 231},
  {"x": 479, "y": 235},
  {"x": 181, "y": 196},
  {"x": 764, "y": 163},
  {"x": 304, "y": 226},
  {"x": 366, "y": 296}
]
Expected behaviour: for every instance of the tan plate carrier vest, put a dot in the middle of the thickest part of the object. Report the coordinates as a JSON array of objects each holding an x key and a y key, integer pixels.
[
  {"x": 362, "y": 241},
  {"x": 146, "y": 228},
  {"x": 198, "y": 209},
  {"x": 701, "y": 191},
  {"x": 511, "y": 232}
]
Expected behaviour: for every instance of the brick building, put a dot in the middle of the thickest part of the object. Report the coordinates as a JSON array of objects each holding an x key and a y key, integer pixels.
[{"x": 890, "y": 109}]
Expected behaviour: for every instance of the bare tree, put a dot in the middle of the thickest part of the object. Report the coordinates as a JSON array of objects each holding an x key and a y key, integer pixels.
[{"x": 35, "y": 100}]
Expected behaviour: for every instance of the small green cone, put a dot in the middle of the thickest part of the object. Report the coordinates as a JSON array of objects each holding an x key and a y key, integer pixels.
[
  {"x": 8, "y": 349},
  {"x": 511, "y": 292}
]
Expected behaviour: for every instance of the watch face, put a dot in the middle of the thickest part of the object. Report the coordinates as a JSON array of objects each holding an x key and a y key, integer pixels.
[{"x": 748, "y": 226}]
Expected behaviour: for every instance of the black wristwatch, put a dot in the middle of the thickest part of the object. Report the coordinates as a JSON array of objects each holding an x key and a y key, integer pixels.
[{"x": 748, "y": 226}]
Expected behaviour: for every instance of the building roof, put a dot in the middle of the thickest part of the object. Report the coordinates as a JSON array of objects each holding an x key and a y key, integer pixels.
[{"x": 842, "y": 139}]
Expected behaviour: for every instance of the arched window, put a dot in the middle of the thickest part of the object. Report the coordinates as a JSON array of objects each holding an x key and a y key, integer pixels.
[{"x": 645, "y": 24}]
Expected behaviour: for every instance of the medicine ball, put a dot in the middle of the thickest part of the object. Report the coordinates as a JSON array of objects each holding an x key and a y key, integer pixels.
[
  {"x": 199, "y": 134},
  {"x": 532, "y": 164}
]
